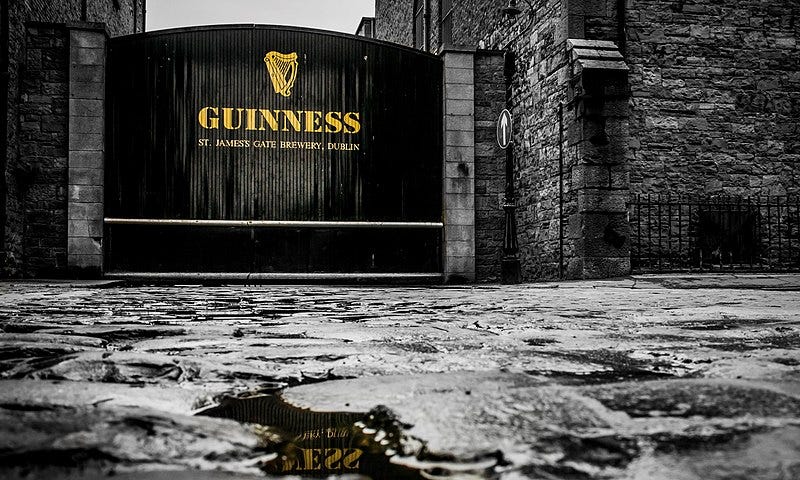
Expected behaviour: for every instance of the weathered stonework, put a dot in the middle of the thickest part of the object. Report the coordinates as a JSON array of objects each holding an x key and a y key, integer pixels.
[
  {"x": 490, "y": 175},
  {"x": 87, "y": 55},
  {"x": 33, "y": 197},
  {"x": 40, "y": 175},
  {"x": 710, "y": 106},
  {"x": 459, "y": 166},
  {"x": 394, "y": 21},
  {"x": 715, "y": 97}
]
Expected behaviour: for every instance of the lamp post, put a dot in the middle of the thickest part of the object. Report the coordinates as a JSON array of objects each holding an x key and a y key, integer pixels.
[{"x": 510, "y": 271}]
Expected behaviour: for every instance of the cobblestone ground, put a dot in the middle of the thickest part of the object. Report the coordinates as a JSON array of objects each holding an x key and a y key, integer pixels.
[{"x": 646, "y": 378}]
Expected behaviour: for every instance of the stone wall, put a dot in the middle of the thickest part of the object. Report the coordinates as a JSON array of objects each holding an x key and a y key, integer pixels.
[
  {"x": 715, "y": 97},
  {"x": 87, "y": 88},
  {"x": 490, "y": 174},
  {"x": 41, "y": 171},
  {"x": 394, "y": 21},
  {"x": 710, "y": 107},
  {"x": 26, "y": 173},
  {"x": 539, "y": 86},
  {"x": 458, "y": 187}
]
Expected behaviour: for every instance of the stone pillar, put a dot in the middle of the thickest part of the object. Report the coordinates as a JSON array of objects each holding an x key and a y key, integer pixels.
[
  {"x": 599, "y": 228},
  {"x": 87, "y": 59},
  {"x": 459, "y": 165}
]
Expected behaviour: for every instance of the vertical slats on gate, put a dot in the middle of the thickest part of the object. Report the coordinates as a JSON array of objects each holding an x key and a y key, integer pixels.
[{"x": 160, "y": 81}]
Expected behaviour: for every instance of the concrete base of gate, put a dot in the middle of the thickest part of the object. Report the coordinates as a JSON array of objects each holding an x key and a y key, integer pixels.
[{"x": 244, "y": 277}]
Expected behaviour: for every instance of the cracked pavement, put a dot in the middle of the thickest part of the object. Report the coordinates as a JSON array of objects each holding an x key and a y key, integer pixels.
[{"x": 651, "y": 377}]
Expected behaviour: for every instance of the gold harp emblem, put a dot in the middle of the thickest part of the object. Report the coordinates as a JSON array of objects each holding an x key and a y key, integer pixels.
[{"x": 282, "y": 68}]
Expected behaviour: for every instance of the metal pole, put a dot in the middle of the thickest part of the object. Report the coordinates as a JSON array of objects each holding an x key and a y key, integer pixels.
[
  {"x": 510, "y": 271},
  {"x": 561, "y": 190}
]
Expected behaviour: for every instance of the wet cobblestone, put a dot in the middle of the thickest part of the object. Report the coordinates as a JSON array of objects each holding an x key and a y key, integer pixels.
[{"x": 604, "y": 379}]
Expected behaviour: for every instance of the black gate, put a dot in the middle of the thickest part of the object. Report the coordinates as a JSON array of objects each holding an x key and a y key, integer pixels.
[
  {"x": 677, "y": 234},
  {"x": 269, "y": 149}
]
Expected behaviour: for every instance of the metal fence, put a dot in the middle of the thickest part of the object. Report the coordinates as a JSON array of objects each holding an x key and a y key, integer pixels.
[{"x": 674, "y": 234}]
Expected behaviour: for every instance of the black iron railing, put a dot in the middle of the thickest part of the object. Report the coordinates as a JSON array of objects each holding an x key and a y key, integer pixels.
[{"x": 671, "y": 233}]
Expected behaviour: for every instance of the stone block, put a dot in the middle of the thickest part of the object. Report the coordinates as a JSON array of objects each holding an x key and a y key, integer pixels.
[
  {"x": 84, "y": 246},
  {"x": 459, "y": 91},
  {"x": 459, "y": 107},
  {"x": 591, "y": 176},
  {"x": 604, "y": 235},
  {"x": 85, "y": 265},
  {"x": 457, "y": 170},
  {"x": 464, "y": 60},
  {"x": 87, "y": 73},
  {"x": 457, "y": 155},
  {"x": 454, "y": 248},
  {"x": 454, "y": 76},
  {"x": 85, "y": 194},
  {"x": 602, "y": 201},
  {"x": 83, "y": 125},
  {"x": 463, "y": 233},
  {"x": 605, "y": 267},
  {"x": 86, "y": 39},
  {"x": 82, "y": 107},
  {"x": 459, "y": 269},
  {"x": 459, "y": 217},
  {"x": 90, "y": 90},
  {"x": 86, "y": 141},
  {"x": 85, "y": 211},
  {"x": 459, "y": 185},
  {"x": 459, "y": 201},
  {"x": 455, "y": 138},
  {"x": 96, "y": 227},
  {"x": 86, "y": 176},
  {"x": 88, "y": 56},
  {"x": 78, "y": 228},
  {"x": 463, "y": 123},
  {"x": 86, "y": 159}
]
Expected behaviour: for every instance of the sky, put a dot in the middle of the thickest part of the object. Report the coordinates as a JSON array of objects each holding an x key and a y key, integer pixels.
[{"x": 338, "y": 15}]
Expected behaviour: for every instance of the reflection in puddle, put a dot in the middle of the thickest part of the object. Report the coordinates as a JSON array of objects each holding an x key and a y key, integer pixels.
[{"x": 314, "y": 444}]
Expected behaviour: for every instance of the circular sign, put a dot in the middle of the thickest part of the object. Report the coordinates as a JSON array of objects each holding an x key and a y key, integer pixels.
[{"x": 504, "y": 129}]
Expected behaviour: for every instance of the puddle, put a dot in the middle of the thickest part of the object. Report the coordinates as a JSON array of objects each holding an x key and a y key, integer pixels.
[
  {"x": 319, "y": 444},
  {"x": 600, "y": 377}
]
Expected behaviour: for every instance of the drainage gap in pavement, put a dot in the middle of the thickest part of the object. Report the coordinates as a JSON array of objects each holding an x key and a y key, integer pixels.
[{"x": 319, "y": 444}]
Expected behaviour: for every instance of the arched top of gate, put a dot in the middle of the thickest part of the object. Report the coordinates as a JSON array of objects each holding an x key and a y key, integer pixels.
[{"x": 176, "y": 32}]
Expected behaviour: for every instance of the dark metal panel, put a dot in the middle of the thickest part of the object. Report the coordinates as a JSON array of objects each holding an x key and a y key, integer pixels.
[
  {"x": 161, "y": 83},
  {"x": 157, "y": 167}
]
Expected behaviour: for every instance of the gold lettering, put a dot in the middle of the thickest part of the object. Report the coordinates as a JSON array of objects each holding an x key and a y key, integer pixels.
[
  {"x": 227, "y": 118},
  {"x": 203, "y": 118},
  {"x": 352, "y": 120},
  {"x": 251, "y": 119},
  {"x": 333, "y": 121},
  {"x": 350, "y": 461},
  {"x": 270, "y": 118},
  {"x": 292, "y": 117},
  {"x": 332, "y": 458},
  {"x": 312, "y": 460},
  {"x": 313, "y": 121},
  {"x": 290, "y": 461}
]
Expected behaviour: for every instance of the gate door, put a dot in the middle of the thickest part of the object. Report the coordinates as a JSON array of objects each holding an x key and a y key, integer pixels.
[{"x": 264, "y": 149}]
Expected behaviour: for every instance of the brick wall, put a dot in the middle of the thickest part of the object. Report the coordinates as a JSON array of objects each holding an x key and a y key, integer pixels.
[
  {"x": 715, "y": 97},
  {"x": 28, "y": 176}
]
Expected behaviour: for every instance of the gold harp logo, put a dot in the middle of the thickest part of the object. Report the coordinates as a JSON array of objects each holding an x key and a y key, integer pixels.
[{"x": 282, "y": 68}]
